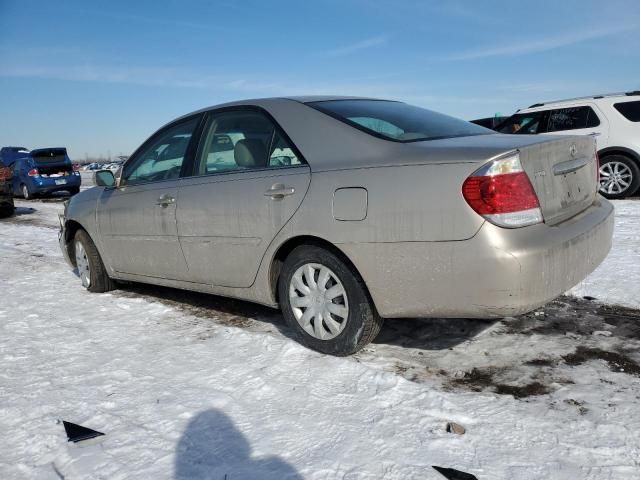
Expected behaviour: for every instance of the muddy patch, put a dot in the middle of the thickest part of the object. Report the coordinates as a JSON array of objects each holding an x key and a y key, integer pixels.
[
  {"x": 578, "y": 316},
  {"x": 617, "y": 362},
  {"x": 485, "y": 379}
]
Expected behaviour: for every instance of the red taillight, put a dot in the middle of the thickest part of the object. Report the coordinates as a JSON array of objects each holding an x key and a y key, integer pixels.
[
  {"x": 75, "y": 167},
  {"x": 5, "y": 174},
  {"x": 33, "y": 172},
  {"x": 502, "y": 193},
  {"x": 506, "y": 193}
]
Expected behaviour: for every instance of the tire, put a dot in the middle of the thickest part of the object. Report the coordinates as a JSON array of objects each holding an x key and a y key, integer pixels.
[
  {"x": 338, "y": 335},
  {"x": 89, "y": 264},
  {"x": 623, "y": 175},
  {"x": 26, "y": 193},
  {"x": 6, "y": 210}
]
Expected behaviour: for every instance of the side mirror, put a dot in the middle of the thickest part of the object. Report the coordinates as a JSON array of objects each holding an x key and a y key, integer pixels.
[{"x": 105, "y": 178}]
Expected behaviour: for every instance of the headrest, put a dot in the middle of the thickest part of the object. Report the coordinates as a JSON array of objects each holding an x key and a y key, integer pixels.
[{"x": 250, "y": 153}]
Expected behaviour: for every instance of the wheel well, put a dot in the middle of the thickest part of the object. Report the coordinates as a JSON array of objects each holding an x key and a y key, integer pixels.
[
  {"x": 287, "y": 247},
  {"x": 625, "y": 152},
  {"x": 71, "y": 228}
]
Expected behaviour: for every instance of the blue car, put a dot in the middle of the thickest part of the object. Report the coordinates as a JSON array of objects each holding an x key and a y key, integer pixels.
[{"x": 41, "y": 171}]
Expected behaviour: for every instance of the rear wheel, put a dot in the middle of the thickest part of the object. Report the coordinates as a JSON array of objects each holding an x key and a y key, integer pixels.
[
  {"x": 325, "y": 302},
  {"x": 619, "y": 176},
  {"x": 90, "y": 268},
  {"x": 26, "y": 194}
]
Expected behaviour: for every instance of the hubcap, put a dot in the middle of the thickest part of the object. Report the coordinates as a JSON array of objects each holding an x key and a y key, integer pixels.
[
  {"x": 615, "y": 178},
  {"x": 25, "y": 191},
  {"x": 319, "y": 301},
  {"x": 82, "y": 263}
]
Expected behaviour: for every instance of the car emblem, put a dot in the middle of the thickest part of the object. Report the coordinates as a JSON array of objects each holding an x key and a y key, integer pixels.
[{"x": 573, "y": 149}]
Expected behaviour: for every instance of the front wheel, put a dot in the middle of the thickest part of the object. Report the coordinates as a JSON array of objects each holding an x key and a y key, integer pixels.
[
  {"x": 619, "y": 176},
  {"x": 90, "y": 268},
  {"x": 325, "y": 302}
]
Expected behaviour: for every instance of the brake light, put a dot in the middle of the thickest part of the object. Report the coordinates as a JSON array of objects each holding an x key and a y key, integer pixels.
[
  {"x": 5, "y": 174},
  {"x": 75, "y": 167},
  {"x": 502, "y": 193},
  {"x": 33, "y": 172}
]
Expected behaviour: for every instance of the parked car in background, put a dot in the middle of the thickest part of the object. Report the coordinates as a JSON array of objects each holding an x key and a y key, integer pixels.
[
  {"x": 490, "y": 122},
  {"x": 41, "y": 171},
  {"x": 344, "y": 211},
  {"x": 6, "y": 195},
  {"x": 92, "y": 166},
  {"x": 613, "y": 119}
]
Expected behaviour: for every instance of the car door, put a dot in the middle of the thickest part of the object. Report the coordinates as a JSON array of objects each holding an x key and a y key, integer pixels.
[
  {"x": 248, "y": 179},
  {"x": 137, "y": 220},
  {"x": 578, "y": 120}
]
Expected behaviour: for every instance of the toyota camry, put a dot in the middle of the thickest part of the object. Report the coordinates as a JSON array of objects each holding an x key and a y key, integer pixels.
[{"x": 344, "y": 211}]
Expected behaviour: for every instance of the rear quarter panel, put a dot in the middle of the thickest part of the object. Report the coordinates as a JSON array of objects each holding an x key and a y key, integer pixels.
[{"x": 411, "y": 203}]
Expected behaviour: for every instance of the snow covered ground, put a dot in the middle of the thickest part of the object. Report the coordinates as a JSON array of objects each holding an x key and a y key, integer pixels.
[{"x": 186, "y": 385}]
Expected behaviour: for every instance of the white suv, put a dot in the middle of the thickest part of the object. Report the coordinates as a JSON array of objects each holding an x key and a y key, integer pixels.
[{"x": 613, "y": 119}]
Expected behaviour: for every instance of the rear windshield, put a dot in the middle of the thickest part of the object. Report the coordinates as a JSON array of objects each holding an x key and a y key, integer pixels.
[
  {"x": 630, "y": 110},
  {"x": 398, "y": 121}
]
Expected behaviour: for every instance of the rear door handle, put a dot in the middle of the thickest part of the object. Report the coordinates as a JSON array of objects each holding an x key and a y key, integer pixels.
[
  {"x": 165, "y": 200},
  {"x": 278, "y": 191}
]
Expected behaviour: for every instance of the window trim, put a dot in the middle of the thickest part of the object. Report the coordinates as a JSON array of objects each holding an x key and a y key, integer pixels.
[
  {"x": 191, "y": 172},
  {"x": 375, "y": 134},
  {"x": 187, "y": 155}
]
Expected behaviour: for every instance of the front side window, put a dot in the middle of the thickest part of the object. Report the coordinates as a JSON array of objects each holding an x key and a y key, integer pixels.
[
  {"x": 629, "y": 110},
  {"x": 243, "y": 140},
  {"x": 572, "y": 118},
  {"x": 522, "y": 123},
  {"x": 397, "y": 121},
  {"x": 162, "y": 158}
]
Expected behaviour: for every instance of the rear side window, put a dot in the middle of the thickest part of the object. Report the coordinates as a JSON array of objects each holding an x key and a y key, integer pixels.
[
  {"x": 240, "y": 140},
  {"x": 572, "y": 118},
  {"x": 629, "y": 110},
  {"x": 397, "y": 121}
]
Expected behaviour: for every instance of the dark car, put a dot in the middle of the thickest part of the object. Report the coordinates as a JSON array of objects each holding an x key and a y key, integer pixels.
[
  {"x": 41, "y": 171},
  {"x": 6, "y": 196}
]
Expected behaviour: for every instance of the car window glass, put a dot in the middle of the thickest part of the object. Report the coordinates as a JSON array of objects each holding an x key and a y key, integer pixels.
[
  {"x": 630, "y": 110},
  {"x": 397, "y": 121},
  {"x": 572, "y": 118},
  {"x": 522, "y": 123},
  {"x": 162, "y": 158},
  {"x": 282, "y": 153},
  {"x": 242, "y": 140}
]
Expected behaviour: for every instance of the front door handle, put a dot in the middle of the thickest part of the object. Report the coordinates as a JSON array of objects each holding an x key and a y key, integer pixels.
[
  {"x": 278, "y": 191},
  {"x": 165, "y": 200}
]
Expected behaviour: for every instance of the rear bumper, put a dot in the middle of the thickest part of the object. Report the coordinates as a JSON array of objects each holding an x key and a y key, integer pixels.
[
  {"x": 499, "y": 272},
  {"x": 48, "y": 185}
]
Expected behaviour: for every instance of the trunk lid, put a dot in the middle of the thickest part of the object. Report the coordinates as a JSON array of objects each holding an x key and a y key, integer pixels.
[
  {"x": 564, "y": 175},
  {"x": 50, "y": 156}
]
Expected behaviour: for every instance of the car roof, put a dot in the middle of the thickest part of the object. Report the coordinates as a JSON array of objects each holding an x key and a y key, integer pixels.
[
  {"x": 626, "y": 95},
  {"x": 267, "y": 101}
]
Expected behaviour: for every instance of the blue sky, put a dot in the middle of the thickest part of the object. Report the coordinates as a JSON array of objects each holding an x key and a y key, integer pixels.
[{"x": 99, "y": 77}]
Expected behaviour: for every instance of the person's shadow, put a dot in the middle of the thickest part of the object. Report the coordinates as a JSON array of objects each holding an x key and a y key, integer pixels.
[{"x": 212, "y": 448}]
